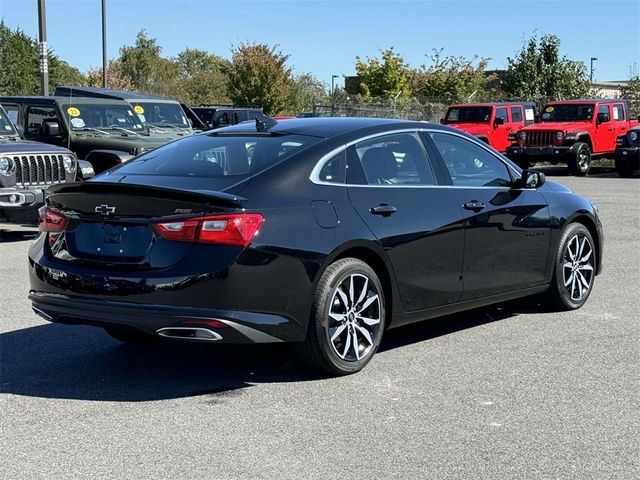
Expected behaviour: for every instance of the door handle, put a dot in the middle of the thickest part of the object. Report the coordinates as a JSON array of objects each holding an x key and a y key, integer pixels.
[
  {"x": 474, "y": 205},
  {"x": 383, "y": 209}
]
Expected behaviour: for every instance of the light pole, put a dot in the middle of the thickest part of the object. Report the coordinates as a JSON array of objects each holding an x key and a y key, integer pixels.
[
  {"x": 333, "y": 95},
  {"x": 104, "y": 43},
  {"x": 42, "y": 48},
  {"x": 593, "y": 59}
]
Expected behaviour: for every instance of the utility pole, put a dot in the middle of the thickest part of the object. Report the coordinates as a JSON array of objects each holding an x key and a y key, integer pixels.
[
  {"x": 42, "y": 49},
  {"x": 104, "y": 43},
  {"x": 593, "y": 59},
  {"x": 333, "y": 95}
]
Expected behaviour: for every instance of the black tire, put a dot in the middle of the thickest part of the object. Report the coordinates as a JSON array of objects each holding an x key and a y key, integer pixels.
[
  {"x": 131, "y": 335},
  {"x": 625, "y": 168},
  {"x": 580, "y": 163},
  {"x": 337, "y": 355},
  {"x": 562, "y": 295}
]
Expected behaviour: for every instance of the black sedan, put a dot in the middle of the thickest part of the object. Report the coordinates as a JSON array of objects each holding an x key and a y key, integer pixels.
[{"x": 320, "y": 232}]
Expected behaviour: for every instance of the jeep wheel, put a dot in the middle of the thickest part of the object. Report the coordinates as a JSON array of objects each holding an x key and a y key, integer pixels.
[
  {"x": 580, "y": 163},
  {"x": 625, "y": 168}
]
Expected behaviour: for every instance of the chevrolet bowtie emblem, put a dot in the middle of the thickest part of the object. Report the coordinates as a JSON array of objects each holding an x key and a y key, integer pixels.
[{"x": 105, "y": 209}]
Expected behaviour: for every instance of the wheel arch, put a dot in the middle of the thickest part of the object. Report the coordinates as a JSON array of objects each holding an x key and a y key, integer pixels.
[
  {"x": 584, "y": 137},
  {"x": 590, "y": 225}
]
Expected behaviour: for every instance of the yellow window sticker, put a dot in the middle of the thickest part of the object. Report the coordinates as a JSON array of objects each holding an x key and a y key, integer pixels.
[
  {"x": 138, "y": 109},
  {"x": 549, "y": 109},
  {"x": 73, "y": 112}
]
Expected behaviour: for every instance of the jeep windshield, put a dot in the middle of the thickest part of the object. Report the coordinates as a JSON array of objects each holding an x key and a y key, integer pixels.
[
  {"x": 569, "y": 112},
  {"x": 161, "y": 114},
  {"x": 6, "y": 127},
  {"x": 468, "y": 115},
  {"x": 107, "y": 117}
]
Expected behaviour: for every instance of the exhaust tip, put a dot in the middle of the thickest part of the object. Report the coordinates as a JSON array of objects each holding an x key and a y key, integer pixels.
[{"x": 189, "y": 333}]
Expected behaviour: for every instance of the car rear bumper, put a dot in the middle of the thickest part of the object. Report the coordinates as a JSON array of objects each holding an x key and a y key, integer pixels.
[{"x": 233, "y": 327}]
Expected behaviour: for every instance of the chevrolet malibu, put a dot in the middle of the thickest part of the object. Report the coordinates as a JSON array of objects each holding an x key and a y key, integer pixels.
[{"x": 320, "y": 232}]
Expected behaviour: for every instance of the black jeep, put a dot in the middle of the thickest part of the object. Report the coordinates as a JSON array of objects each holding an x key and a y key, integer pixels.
[{"x": 26, "y": 170}]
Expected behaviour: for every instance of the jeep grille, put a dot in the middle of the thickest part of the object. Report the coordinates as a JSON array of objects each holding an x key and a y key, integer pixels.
[
  {"x": 39, "y": 169},
  {"x": 539, "y": 138}
]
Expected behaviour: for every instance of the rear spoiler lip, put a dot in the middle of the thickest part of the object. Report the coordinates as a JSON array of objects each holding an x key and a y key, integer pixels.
[{"x": 208, "y": 196}]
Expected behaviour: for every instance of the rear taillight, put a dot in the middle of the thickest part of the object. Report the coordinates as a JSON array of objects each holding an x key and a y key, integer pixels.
[
  {"x": 50, "y": 220},
  {"x": 236, "y": 229}
]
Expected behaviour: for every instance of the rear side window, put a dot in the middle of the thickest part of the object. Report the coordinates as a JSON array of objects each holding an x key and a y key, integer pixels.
[
  {"x": 333, "y": 171},
  {"x": 217, "y": 156},
  {"x": 516, "y": 114},
  {"x": 36, "y": 115},
  {"x": 618, "y": 112},
  {"x": 397, "y": 159}
]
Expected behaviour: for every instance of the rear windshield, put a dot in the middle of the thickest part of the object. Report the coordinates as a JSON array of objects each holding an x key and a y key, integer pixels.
[
  {"x": 469, "y": 115},
  {"x": 217, "y": 156}
]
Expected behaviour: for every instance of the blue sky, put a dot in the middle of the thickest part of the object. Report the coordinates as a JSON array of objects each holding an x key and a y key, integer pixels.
[{"x": 324, "y": 37}]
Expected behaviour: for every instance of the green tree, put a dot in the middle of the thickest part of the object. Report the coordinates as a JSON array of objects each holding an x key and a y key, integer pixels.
[
  {"x": 148, "y": 71},
  {"x": 20, "y": 63},
  {"x": 201, "y": 77},
  {"x": 259, "y": 75},
  {"x": 451, "y": 79},
  {"x": 115, "y": 77},
  {"x": 539, "y": 73},
  {"x": 631, "y": 91},
  {"x": 306, "y": 90},
  {"x": 386, "y": 77}
]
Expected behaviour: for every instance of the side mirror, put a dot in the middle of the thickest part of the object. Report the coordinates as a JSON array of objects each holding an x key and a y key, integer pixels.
[
  {"x": 531, "y": 179},
  {"x": 85, "y": 170},
  {"x": 51, "y": 129},
  {"x": 602, "y": 118},
  {"x": 498, "y": 121}
]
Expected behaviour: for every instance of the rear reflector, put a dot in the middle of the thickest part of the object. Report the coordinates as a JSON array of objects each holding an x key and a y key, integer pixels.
[
  {"x": 236, "y": 229},
  {"x": 50, "y": 220}
]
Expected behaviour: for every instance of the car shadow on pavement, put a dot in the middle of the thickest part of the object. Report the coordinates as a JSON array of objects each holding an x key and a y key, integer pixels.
[
  {"x": 595, "y": 172},
  {"x": 84, "y": 363},
  {"x": 17, "y": 236}
]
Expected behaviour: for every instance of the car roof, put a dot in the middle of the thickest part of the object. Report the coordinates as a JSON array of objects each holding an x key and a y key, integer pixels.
[
  {"x": 491, "y": 104},
  {"x": 587, "y": 100},
  {"x": 55, "y": 99},
  {"x": 327, "y": 126},
  {"x": 108, "y": 93}
]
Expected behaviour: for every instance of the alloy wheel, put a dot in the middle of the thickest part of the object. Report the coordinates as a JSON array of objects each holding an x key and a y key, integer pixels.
[
  {"x": 354, "y": 317},
  {"x": 578, "y": 267}
]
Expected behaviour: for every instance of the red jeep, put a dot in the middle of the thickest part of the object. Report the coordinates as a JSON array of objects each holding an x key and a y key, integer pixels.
[
  {"x": 572, "y": 132},
  {"x": 491, "y": 122}
]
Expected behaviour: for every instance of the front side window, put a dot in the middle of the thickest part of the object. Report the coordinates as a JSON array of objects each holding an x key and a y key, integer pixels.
[
  {"x": 516, "y": 114},
  {"x": 470, "y": 165},
  {"x": 36, "y": 115},
  {"x": 603, "y": 113},
  {"x": 502, "y": 113},
  {"x": 396, "y": 159}
]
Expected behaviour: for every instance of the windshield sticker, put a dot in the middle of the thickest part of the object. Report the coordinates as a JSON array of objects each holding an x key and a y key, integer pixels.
[
  {"x": 142, "y": 118},
  {"x": 138, "y": 109},
  {"x": 548, "y": 109},
  {"x": 73, "y": 112},
  {"x": 8, "y": 127},
  {"x": 77, "y": 123}
]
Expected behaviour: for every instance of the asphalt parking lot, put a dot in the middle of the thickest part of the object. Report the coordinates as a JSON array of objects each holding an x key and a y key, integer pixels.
[{"x": 507, "y": 392}]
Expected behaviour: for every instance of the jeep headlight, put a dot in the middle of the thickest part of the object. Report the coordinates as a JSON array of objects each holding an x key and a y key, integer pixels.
[
  {"x": 633, "y": 136},
  {"x": 522, "y": 135},
  {"x": 559, "y": 136},
  {"x": 69, "y": 163},
  {"x": 7, "y": 166}
]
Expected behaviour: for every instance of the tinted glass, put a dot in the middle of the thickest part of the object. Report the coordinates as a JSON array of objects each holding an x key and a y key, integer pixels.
[
  {"x": 502, "y": 113},
  {"x": 469, "y": 114},
  {"x": 160, "y": 114},
  {"x": 35, "y": 117},
  {"x": 516, "y": 114},
  {"x": 6, "y": 127},
  {"x": 397, "y": 159},
  {"x": 214, "y": 156},
  {"x": 333, "y": 171},
  {"x": 470, "y": 165},
  {"x": 603, "y": 113},
  {"x": 102, "y": 116},
  {"x": 570, "y": 112}
]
